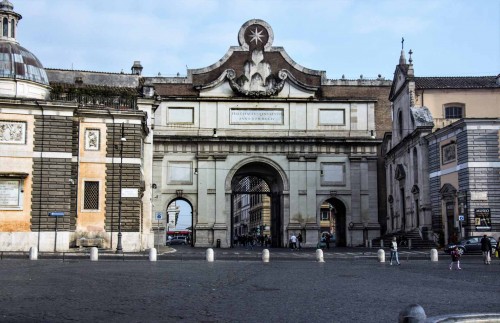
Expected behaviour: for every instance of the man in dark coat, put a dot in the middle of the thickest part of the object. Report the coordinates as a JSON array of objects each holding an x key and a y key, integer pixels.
[{"x": 486, "y": 249}]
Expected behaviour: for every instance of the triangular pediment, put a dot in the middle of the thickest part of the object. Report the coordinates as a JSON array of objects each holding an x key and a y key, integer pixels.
[
  {"x": 400, "y": 172},
  {"x": 447, "y": 190},
  {"x": 398, "y": 81}
]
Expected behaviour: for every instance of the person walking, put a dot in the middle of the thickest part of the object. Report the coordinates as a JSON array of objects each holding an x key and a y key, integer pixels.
[
  {"x": 486, "y": 249},
  {"x": 293, "y": 241},
  {"x": 299, "y": 239},
  {"x": 394, "y": 251},
  {"x": 327, "y": 240},
  {"x": 455, "y": 258}
]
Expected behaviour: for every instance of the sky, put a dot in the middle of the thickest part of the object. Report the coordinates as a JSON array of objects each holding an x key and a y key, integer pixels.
[{"x": 341, "y": 37}]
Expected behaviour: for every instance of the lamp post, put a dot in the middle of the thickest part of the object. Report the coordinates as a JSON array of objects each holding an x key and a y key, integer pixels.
[{"x": 119, "y": 243}]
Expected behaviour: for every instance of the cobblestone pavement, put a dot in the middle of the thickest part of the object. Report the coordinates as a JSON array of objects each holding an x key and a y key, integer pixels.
[{"x": 293, "y": 288}]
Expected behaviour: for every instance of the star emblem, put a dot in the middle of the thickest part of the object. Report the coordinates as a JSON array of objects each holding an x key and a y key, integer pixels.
[{"x": 256, "y": 35}]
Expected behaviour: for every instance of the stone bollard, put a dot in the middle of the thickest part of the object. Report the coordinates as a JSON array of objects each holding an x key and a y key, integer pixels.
[
  {"x": 319, "y": 255},
  {"x": 33, "y": 253},
  {"x": 152, "y": 254},
  {"x": 94, "y": 254},
  {"x": 434, "y": 255},
  {"x": 381, "y": 255},
  {"x": 265, "y": 255},
  {"x": 210, "y": 255},
  {"x": 412, "y": 313}
]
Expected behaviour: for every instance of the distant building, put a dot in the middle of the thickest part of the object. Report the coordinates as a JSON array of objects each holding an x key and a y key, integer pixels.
[{"x": 442, "y": 156}]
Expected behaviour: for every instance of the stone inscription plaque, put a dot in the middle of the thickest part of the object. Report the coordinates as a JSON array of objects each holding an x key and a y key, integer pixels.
[
  {"x": 256, "y": 116},
  {"x": 9, "y": 193}
]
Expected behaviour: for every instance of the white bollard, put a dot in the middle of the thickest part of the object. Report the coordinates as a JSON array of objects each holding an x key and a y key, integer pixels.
[
  {"x": 319, "y": 255},
  {"x": 33, "y": 253},
  {"x": 265, "y": 255},
  {"x": 434, "y": 255},
  {"x": 152, "y": 254},
  {"x": 210, "y": 255},
  {"x": 381, "y": 255},
  {"x": 94, "y": 254}
]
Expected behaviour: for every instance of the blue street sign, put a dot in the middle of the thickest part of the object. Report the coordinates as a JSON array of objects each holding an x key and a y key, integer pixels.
[
  {"x": 159, "y": 215},
  {"x": 461, "y": 218},
  {"x": 57, "y": 214}
]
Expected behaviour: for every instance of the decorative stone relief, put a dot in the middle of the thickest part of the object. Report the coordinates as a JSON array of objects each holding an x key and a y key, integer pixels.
[
  {"x": 12, "y": 132},
  {"x": 92, "y": 138}
]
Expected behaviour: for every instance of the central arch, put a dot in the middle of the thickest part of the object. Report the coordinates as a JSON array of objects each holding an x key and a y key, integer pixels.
[{"x": 274, "y": 191}]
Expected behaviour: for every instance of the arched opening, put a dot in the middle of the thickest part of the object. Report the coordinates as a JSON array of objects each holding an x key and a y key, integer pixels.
[
  {"x": 256, "y": 206},
  {"x": 333, "y": 221},
  {"x": 5, "y": 27},
  {"x": 179, "y": 220}
]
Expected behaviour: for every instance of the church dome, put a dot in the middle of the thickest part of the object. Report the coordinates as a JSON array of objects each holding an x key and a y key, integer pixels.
[{"x": 18, "y": 64}]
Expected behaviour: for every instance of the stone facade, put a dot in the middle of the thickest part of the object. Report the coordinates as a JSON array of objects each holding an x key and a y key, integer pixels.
[
  {"x": 312, "y": 140},
  {"x": 432, "y": 157}
]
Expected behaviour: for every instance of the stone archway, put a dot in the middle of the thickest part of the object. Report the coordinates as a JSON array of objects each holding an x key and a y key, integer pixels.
[
  {"x": 337, "y": 214},
  {"x": 271, "y": 187}
]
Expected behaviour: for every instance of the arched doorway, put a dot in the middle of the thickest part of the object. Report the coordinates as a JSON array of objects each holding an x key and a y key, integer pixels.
[
  {"x": 179, "y": 219},
  {"x": 256, "y": 204},
  {"x": 333, "y": 220}
]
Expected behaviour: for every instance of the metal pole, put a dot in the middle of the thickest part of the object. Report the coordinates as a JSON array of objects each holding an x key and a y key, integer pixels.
[
  {"x": 119, "y": 243},
  {"x": 55, "y": 237}
]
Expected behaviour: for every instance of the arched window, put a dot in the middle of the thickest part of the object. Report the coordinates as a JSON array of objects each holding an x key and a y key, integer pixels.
[
  {"x": 13, "y": 28},
  {"x": 5, "y": 27},
  {"x": 415, "y": 165}
]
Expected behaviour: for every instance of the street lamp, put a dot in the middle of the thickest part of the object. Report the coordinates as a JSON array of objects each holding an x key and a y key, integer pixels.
[{"x": 119, "y": 243}]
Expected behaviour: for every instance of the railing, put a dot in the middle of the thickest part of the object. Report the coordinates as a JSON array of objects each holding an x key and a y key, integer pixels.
[{"x": 97, "y": 101}]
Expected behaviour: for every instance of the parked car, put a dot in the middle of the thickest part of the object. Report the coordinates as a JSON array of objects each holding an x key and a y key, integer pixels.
[
  {"x": 177, "y": 241},
  {"x": 469, "y": 245}
]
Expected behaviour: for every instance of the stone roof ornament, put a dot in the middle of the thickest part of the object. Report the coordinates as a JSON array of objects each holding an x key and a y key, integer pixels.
[
  {"x": 402, "y": 58},
  {"x": 6, "y": 5}
]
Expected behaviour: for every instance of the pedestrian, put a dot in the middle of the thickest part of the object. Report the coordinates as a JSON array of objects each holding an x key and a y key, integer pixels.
[
  {"x": 455, "y": 258},
  {"x": 293, "y": 241},
  {"x": 497, "y": 248},
  {"x": 327, "y": 240},
  {"x": 299, "y": 239},
  {"x": 394, "y": 251},
  {"x": 486, "y": 249}
]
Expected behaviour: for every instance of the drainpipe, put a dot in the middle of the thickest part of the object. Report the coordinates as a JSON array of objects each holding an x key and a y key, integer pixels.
[
  {"x": 41, "y": 176},
  {"x": 113, "y": 177}
]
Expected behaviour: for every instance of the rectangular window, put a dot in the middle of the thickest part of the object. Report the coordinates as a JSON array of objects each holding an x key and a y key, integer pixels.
[
  {"x": 325, "y": 215},
  {"x": 453, "y": 112},
  {"x": 91, "y": 195}
]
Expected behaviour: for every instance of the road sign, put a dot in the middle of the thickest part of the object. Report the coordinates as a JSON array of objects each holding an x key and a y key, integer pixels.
[
  {"x": 461, "y": 218},
  {"x": 159, "y": 215},
  {"x": 56, "y": 214}
]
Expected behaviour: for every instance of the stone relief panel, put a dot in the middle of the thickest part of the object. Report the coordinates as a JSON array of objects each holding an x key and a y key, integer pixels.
[
  {"x": 92, "y": 139},
  {"x": 180, "y": 172},
  {"x": 12, "y": 132}
]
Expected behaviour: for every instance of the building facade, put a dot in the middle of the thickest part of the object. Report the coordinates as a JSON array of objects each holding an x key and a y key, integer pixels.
[
  {"x": 258, "y": 113},
  {"x": 442, "y": 149},
  {"x": 73, "y": 151}
]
